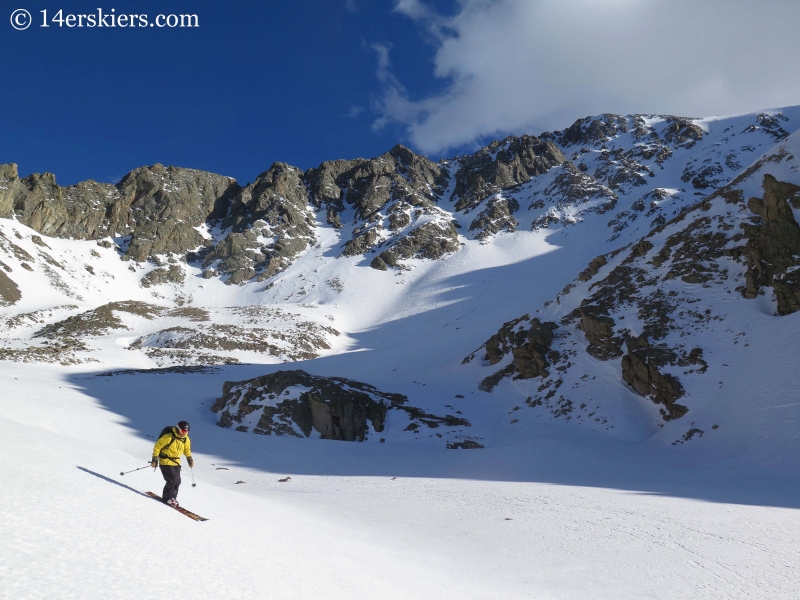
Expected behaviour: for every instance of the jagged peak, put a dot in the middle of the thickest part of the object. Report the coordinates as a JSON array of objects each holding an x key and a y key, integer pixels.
[
  {"x": 9, "y": 171},
  {"x": 403, "y": 153}
]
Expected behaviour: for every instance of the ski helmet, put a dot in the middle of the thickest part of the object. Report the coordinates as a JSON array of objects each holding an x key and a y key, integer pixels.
[{"x": 183, "y": 426}]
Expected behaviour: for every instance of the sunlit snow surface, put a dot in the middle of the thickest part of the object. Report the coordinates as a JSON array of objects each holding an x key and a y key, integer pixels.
[{"x": 548, "y": 509}]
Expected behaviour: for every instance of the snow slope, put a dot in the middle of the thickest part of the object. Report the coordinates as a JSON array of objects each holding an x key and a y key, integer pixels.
[
  {"x": 557, "y": 517},
  {"x": 550, "y": 508}
]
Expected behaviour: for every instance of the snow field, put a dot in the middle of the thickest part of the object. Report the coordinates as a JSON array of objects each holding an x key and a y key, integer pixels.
[
  {"x": 548, "y": 510},
  {"x": 561, "y": 516}
]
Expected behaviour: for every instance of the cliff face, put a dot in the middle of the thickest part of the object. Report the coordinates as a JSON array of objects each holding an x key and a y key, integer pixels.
[
  {"x": 157, "y": 207},
  {"x": 399, "y": 206},
  {"x": 260, "y": 228}
]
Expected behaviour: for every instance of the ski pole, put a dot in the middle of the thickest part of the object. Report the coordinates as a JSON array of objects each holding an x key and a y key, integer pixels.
[
  {"x": 191, "y": 469},
  {"x": 131, "y": 471}
]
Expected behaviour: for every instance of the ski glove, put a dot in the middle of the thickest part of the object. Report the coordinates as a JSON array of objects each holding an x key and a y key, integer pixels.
[
  {"x": 154, "y": 462},
  {"x": 191, "y": 461}
]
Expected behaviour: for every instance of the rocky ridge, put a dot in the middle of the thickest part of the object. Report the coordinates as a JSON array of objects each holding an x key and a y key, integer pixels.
[
  {"x": 648, "y": 308},
  {"x": 397, "y": 206}
]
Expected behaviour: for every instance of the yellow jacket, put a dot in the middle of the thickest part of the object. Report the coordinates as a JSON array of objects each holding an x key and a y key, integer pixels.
[{"x": 168, "y": 449}]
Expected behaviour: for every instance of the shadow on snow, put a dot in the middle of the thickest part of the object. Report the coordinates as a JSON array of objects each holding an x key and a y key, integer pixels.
[{"x": 555, "y": 454}]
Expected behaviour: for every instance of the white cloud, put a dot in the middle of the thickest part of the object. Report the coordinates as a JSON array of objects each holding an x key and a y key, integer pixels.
[
  {"x": 394, "y": 94},
  {"x": 530, "y": 65},
  {"x": 354, "y": 112},
  {"x": 416, "y": 10}
]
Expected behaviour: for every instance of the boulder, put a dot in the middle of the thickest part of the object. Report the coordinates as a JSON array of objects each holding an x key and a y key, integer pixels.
[{"x": 295, "y": 403}]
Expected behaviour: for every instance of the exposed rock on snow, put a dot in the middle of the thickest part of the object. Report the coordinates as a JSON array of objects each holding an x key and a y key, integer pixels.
[
  {"x": 400, "y": 175},
  {"x": 174, "y": 274},
  {"x": 431, "y": 240},
  {"x": 99, "y": 320},
  {"x": 773, "y": 245},
  {"x": 9, "y": 292},
  {"x": 176, "y": 336},
  {"x": 640, "y": 370},
  {"x": 496, "y": 217},
  {"x": 302, "y": 342},
  {"x": 294, "y": 403},
  {"x": 571, "y": 195},
  {"x": 271, "y": 225},
  {"x": 530, "y": 348},
  {"x": 599, "y": 331},
  {"x": 464, "y": 445},
  {"x": 386, "y": 204},
  {"x": 393, "y": 197},
  {"x": 500, "y": 166},
  {"x": 68, "y": 351},
  {"x": 591, "y": 131},
  {"x": 703, "y": 249}
]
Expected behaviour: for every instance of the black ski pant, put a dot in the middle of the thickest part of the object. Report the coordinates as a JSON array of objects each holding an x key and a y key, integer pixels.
[{"x": 172, "y": 475}]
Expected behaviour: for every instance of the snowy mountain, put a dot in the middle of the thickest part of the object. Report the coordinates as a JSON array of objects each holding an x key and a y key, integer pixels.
[
  {"x": 190, "y": 268},
  {"x": 626, "y": 286}
]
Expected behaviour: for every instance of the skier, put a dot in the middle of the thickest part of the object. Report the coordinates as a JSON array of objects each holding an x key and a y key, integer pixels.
[{"x": 173, "y": 442}]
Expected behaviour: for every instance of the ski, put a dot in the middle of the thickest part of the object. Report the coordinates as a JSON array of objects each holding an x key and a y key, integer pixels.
[{"x": 180, "y": 509}]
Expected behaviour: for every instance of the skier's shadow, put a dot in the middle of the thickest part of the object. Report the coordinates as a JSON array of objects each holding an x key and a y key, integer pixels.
[{"x": 103, "y": 477}]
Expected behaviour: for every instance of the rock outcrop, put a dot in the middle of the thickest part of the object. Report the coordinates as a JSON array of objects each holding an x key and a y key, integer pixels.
[
  {"x": 502, "y": 165},
  {"x": 599, "y": 331},
  {"x": 431, "y": 240},
  {"x": 157, "y": 206},
  {"x": 528, "y": 340},
  {"x": 640, "y": 370},
  {"x": 394, "y": 199},
  {"x": 496, "y": 217},
  {"x": 271, "y": 223},
  {"x": 646, "y": 306},
  {"x": 573, "y": 192},
  {"x": 368, "y": 186},
  {"x": 772, "y": 251},
  {"x": 9, "y": 292},
  {"x": 590, "y": 131},
  {"x": 296, "y": 403},
  {"x": 390, "y": 206}
]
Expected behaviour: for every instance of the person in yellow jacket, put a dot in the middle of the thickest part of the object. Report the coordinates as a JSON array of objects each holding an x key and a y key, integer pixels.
[{"x": 168, "y": 450}]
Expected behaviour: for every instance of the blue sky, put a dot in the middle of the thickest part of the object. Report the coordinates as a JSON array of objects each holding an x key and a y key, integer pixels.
[
  {"x": 257, "y": 82},
  {"x": 306, "y": 81}
]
